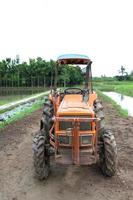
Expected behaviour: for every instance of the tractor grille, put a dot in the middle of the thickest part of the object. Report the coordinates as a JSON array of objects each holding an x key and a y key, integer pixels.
[
  {"x": 67, "y": 140},
  {"x": 84, "y": 126}
]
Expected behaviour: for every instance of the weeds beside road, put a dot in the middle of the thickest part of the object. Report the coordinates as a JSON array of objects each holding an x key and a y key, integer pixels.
[
  {"x": 27, "y": 111},
  {"x": 123, "y": 87},
  {"x": 11, "y": 98},
  {"x": 9, "y": 114}
]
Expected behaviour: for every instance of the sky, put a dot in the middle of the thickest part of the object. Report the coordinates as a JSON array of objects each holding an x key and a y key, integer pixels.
[{"x": 101, "y": 29}]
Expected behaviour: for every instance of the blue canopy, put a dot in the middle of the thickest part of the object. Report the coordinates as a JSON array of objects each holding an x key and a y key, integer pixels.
[{"x": 73, "y": 59}]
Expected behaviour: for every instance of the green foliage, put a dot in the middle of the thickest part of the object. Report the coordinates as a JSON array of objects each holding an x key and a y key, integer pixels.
[
  {"x": 27, "y": 111},
  {"x": 123, "y": 75},
  {"x": 124, "y": 87},
  {"x": 12, "y": 98},
  {"x": 103, "y": 79},
  {"x": 37, "y": 72},
  {"x": 64, "y": 76}
]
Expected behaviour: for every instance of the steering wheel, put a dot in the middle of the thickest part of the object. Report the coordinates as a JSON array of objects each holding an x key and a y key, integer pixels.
[{"x": 73, "y": 91}]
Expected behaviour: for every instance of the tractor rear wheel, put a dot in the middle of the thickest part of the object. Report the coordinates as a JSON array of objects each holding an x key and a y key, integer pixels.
[
  {"x": 41, "y": 143},
  {"x": 108, "y": 154},
  {"x": 41, "y": 155},
  {"x": 107, "y": 144}
]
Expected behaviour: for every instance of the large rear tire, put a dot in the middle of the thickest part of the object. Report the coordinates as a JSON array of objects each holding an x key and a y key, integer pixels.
[
  {"x": 108, "y": 154},
  {"x": 41, "y": 143},
  {"x": 107, "y": 144},
  {"x": 41, "y": 156}
]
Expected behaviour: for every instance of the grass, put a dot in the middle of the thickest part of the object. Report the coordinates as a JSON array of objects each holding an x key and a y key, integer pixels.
[
  {"x": 12, "y": 98},
  {"x": 23, "y": 113},
  {"x": 123, "y": 87},
  {"x": 27, "y": 111},
  {"x": 120, "y": 111}
]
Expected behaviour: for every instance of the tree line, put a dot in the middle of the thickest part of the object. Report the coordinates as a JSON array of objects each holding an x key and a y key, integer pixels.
[
  {"x": 37, "y": 73},
  {"x": 40, "y": 73},
  {"x": 123, "y": 75}
]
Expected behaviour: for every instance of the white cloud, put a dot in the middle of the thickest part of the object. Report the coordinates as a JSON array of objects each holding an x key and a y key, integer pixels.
[{"x": 101, "y": 29}]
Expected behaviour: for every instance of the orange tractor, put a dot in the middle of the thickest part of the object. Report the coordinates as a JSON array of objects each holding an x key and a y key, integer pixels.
[{"x": 72, "y": 127}]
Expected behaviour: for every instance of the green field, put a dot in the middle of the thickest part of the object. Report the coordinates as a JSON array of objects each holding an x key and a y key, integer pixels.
[
  {"x": 27, "y": 111},
  {"x": 12, "y": 98},
  {"x": 123, "y": 87}
]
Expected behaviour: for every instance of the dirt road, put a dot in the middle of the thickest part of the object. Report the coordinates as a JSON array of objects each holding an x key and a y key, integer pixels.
[{"x": 17, "y": 181}]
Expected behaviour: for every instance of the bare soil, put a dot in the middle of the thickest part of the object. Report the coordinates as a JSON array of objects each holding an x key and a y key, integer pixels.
[{"x": 17, "y": 180}]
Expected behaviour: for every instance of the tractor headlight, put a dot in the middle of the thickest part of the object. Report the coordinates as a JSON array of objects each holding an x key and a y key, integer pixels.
[
  {"x": 66, "y": 139},
  {"x": 86, "y": 139}
]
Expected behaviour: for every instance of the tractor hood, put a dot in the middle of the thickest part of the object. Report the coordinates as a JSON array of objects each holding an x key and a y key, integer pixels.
[{"x": 74, "y": 105}]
